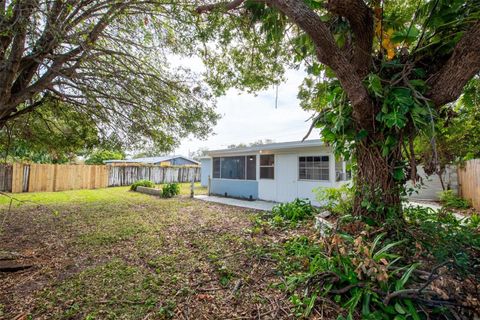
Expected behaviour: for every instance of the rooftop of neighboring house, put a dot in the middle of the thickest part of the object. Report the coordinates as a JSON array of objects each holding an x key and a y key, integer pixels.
[{"x": 153, "y": 160}]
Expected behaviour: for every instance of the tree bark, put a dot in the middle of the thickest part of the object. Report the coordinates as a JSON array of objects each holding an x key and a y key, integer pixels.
[{"x": 378, "y": 193}]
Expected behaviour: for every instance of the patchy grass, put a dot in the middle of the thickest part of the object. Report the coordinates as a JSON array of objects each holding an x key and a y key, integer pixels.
[
  {"x": 86, "y": 196},
  {"x": 115, "y": 254}
]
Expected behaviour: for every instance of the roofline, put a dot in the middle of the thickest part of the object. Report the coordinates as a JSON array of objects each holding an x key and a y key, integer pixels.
[{"x": 271, "y": 147}]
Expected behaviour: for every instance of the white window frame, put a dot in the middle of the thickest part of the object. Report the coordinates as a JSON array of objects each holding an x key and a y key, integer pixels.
[
  {"x": 316, "y": 155},
  {"x": 260, "y": 167}
]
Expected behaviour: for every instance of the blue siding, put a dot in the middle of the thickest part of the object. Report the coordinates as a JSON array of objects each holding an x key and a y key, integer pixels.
[
  {"x": 235, "y": 188},
  {"x": 181, "y": 162},
  {"x": 205, "y": 171}
]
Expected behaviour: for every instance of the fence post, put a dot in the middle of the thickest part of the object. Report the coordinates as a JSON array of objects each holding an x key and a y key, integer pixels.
[
  {"x": 192, "y": 187},
  {"x": 209, "y": 185}
]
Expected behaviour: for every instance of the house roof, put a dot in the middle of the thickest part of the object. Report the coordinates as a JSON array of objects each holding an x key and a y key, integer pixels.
[
  {"x": 151, "y": 160},
  {"x": 271, "y": 147}
]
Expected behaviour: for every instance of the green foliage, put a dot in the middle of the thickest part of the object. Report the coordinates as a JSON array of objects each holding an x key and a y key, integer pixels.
[
  {"x": 450, "y": 199},
  {"x": 293, "y": 212},
  {"x": 170, "y": 190},
  {"x": 356, "y": 273},
  {"x": 457, "y": 134},
  {"x": 53, "y": 133},
  {"x": 444, "y": 237},
  {"x": 142, "y": 183},
  {"x": 99, "y": 156},
  {"x": 338, "y": 201}
]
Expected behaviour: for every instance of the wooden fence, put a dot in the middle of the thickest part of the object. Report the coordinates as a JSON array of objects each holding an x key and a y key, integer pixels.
[
  {"x": 125, "y": 175},
  {"x": 469, "y": 182},
  {"x": 55, "y": 177}
]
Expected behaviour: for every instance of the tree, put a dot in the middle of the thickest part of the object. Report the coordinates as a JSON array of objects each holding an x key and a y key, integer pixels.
[
  {"x": 108, "y": 60},
  {"x": 52, "y": 133},
  {"x": 379, "y": 72},
  {"x": 99, "y": 156}
]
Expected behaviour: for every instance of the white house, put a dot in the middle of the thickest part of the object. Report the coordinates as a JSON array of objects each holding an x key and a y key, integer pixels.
[{"x": 277, "y": 172}]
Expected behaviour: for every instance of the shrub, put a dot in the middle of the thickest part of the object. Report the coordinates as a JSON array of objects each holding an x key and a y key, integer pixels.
[
  {"x": 142, "y": 183},
  {"x": 356, "y": 273},
  {"x": 450, "y": 200},
  {"x": 170, "y": 190},
  {"x": 444, "y": 236},
  {"x": 295, "y": 211},
  {"x": 336, "y": 200}
]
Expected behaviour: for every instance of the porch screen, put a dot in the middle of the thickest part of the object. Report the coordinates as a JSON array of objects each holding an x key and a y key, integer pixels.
[{"x": 239, "y": 168}]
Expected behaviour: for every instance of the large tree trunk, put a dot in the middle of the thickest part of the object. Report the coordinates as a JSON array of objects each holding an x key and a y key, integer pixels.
[{"x": 378, "y": 193}]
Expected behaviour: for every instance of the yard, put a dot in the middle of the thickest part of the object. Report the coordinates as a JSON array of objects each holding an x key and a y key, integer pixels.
[{"x": 115, "y": 254}]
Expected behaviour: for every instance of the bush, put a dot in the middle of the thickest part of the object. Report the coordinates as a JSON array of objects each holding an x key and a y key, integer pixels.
[
  {"x": 450, "y": 200},
  {"x": 170, "y": 190},
  {"x": 445, "y": 237},
  {"x": 142, "y": 183},
  {"x": 338, "y": 201},
  {"x": 295, "y": 211},
  {"x": 356, "y": 273}
]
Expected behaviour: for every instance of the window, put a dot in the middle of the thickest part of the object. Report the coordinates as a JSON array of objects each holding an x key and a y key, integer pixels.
[
  {"x": 313, "y": 168},
  {"x": 232, "y": 168},
  {"x": 216, "y": 167},
  {"x": 267, "y": 166},
  {"x": 240, "y": 168},
  {"x": 251, "y": 167}
]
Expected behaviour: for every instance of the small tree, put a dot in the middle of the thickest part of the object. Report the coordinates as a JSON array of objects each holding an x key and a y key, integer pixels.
[{"x": 379, "y": 72}]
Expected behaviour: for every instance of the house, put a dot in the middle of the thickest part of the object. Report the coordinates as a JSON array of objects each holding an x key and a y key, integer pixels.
[
  {"x": 174, "y": 160},
  {"x": 277, "y": 172}
]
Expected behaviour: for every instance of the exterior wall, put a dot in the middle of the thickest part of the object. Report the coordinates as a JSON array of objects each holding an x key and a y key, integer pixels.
[
  {"x": 235, "y": 188},
  {"x": 286, "y": 185},
  {"x": 182, "y": 162},
  {"x": 205, "y": 172},
  {"x": 431, "y": 187}
]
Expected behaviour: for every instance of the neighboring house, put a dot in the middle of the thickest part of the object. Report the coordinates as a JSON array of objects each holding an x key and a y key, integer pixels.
[
  {"x": 277, "y": 172},
  {"x": 163, "y": 161}
]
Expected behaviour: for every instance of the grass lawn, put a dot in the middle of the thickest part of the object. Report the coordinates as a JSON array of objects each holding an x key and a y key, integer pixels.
[{"x": 115, "y": 254}]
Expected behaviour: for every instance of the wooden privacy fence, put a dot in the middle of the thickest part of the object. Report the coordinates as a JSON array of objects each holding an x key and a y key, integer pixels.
[
  {"x": 60, "y": 177},
  {"x": 126, "y": 175},
  {"x": 469, "y": 182}
]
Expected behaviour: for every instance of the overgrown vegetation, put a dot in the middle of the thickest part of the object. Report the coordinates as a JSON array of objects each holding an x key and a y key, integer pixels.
[
  {"x": 372, "y": 274},
  {"x": 142, "y": 183},
  {"x": 293, "y": 212},
  {"x": 169, "y": 190},
  {"x": 338, "y": 201},
  {"x": 450, "y": 199}
]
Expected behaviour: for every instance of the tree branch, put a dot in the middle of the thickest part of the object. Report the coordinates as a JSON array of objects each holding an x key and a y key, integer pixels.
[
  {"x": 447, "y": 84},
  {"x": 360, "y": 18},
  {"x": 223, "y": 5}
]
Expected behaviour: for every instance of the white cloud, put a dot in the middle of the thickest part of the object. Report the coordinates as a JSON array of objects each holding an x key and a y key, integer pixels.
[{"x": 248, "y": 117}]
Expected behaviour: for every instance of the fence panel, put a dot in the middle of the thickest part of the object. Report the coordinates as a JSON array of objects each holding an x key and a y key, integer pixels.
[
  {"x": 469, "y": 182},
  {"x": 6, "y": 177},
  {"x": 124, "y": 175}
]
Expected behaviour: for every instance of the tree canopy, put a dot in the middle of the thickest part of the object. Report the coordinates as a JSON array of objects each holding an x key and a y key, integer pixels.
[{"x": 107, "y": 60}]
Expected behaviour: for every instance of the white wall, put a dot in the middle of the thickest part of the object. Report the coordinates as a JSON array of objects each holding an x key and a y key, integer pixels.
[{"x": 286, "y": 186}]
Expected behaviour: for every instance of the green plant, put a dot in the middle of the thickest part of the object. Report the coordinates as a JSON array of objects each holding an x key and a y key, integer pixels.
[
  {"x": 170, "y": 190},
  {"x": 358, "y": 274},
  {"x": 295, "y": 211},
  {"x": 142, "y": 183},
  {"x": 338, "y": 201},
  {"x": 450, "y": 200},
  {"x": 444, "y": 236}
]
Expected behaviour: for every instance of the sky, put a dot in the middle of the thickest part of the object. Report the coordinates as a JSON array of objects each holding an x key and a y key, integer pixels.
[{"x": 248, "y": 117}]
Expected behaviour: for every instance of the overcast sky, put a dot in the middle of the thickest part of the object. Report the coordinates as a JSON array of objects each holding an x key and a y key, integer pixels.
[{"x": 247, "y": 118}]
